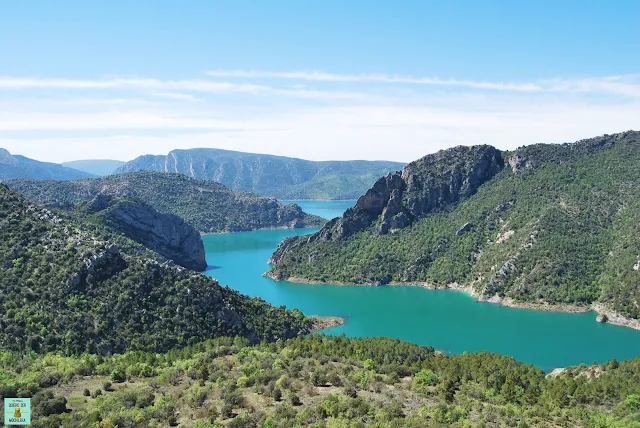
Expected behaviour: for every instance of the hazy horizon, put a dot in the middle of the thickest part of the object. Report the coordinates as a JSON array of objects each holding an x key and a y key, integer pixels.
[{"x": 391, "y": 81}]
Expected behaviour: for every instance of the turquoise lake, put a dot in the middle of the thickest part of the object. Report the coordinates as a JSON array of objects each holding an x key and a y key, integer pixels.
[{"x": 450, "y": 321}]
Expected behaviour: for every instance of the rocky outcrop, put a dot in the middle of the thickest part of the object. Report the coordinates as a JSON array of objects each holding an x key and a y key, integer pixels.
[
  {"x": 97, "y": 267},
  {"x": 166, "y": 234},
  {"x": 607, "y": 314},
  {"x": 498, "y": 281},
  {"x": 464, "y": 229},
  {"x": 433, "y": 183},
  {"x": 518, "y": 163}
]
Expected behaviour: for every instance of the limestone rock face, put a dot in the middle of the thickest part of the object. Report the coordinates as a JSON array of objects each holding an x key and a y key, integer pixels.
[
  {"x": 166, "y": 234},
  {"x": 96, "y": 268},
  {"x": 518, "y": 163},
  {"x": 433, "y": 183}
]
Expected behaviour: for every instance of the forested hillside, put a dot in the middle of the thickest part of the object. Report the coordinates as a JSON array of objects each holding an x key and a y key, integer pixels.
[
  {"x": 65, "y": 289},
  {"x": 268, "y": 175},
  {"x": 206, "y": 205},
  {"x": 542, "y": 224},
  {"x": 320, "y": 382}
]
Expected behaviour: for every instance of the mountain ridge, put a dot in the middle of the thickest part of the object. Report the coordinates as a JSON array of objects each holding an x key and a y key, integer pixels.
[
  {"x": 21, "y": 167},
  {"x": 167, "y": 234},
  {"x": 268, "y": 175}
]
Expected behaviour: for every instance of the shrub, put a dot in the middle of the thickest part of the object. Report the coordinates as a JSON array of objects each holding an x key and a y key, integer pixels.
[
  {"x": 145, "y": 399},
  {"x": 423, "y": 379},
  {"x": 369, "y": 365},
  {"x": 350, "y": 391},
  {"x": 118, "y": 375},
  {"x": 633, "y": 401},
  {"x": 277, "y": 394},
  {"x": 295, "y": 400}
]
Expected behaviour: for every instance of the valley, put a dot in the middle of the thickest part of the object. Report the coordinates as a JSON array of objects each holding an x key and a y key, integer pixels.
[
  {"x": 449, "y": 320},
  {"x": 319, "y": 214},
  {"x": 108, "y": 323}
]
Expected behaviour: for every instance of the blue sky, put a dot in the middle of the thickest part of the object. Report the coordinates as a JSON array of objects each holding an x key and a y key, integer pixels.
[{"x": 313, "y": 79}]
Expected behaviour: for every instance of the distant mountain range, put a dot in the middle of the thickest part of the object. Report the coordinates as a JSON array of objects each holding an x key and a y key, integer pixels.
[
  {"x": 268, "y": 175},
  {"x": 100, "y": 167},
  {"x": 16, "y": 166}
]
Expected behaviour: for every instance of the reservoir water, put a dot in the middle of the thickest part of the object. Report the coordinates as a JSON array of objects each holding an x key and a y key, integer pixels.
[{"x": 447, "y": 320}]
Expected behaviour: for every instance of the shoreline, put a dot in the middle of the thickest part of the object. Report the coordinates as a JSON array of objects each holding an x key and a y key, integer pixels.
[
  {"x": 259, "y": 229},
  {"x": 610, "y": 316},
  {"x": 324, "y": 323},
  {"x": 293, "y": 201}
]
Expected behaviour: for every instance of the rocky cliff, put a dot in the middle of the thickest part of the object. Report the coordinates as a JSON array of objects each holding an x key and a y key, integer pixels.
[
  {"x": 433, "y": 183},
  {"x": 166, "y": 234}
]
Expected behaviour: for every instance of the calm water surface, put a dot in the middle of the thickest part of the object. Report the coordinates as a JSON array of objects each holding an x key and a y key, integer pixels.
[{"x": 447, "y": 320}]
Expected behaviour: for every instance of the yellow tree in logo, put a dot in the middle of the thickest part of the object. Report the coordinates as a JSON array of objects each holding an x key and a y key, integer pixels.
[{"x": 16, "y": 413}]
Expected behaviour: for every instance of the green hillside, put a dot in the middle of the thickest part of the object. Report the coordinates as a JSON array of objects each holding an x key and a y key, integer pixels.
[
  {"x": 546, "y": 223},
  {"x": 65, "y": 289},
  {"x": 206, "y": 205},
  {"x": 318, "y": 382}
]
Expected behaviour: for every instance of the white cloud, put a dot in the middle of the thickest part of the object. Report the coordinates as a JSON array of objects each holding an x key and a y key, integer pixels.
[
  {"x": 622, "y": 85},
  {"x": 108, "y": 120},
  {"x": 196, "y": 85},
  {"x": 375, "y": 132},
  {"x": 374, "y": 78},
  {"x": 68, "y": 119},
  {"x": 178, "y": 96}
]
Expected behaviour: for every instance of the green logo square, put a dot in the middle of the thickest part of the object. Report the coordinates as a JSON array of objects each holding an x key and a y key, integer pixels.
[{"x": 17, "y": 411}]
